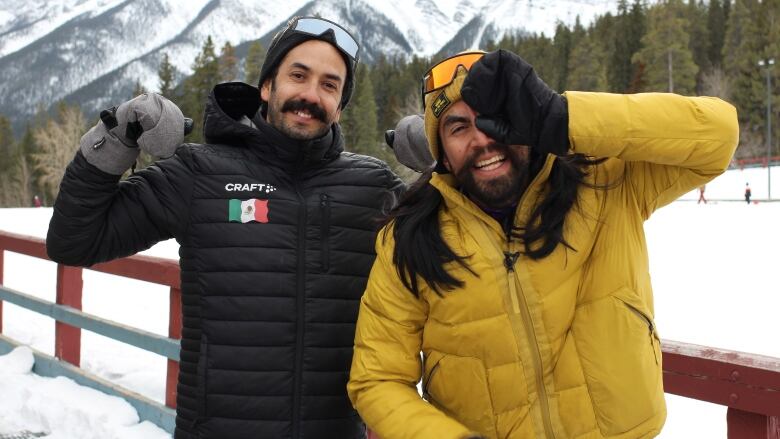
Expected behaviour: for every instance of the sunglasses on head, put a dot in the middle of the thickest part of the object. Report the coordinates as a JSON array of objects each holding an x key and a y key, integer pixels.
[
  {"x": 318, "y": 26},
  {"x": 442, "y": 74}
]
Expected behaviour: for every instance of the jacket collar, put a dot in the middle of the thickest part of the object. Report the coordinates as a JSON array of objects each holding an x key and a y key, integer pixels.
[
  {"x": 457, "y": 202},
  {"x": 231, "y": 102}
]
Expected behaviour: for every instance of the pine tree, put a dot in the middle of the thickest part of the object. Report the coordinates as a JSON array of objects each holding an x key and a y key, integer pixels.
[
  {"x": 539, "y": 52},
  {"x": 7, "y": 152},
  {"x": 744, "y": 46},
  {"x": 562, "y": 45},
  {"x": 360, "y": 129},
  {"x": 386, "y": 100},
  {"x": 254, "y": 63},
  {"x": 601, "y": 33},
  {"x": 26, "y": 148},
  {"x": 138, "y": 89},
  {"x": 618, "y": 72},
  {"x": 7, "y": 144},
  {"x": 628, "y": 29},
  {"x": 228, "y": 63},
  {"x": 16, "y": 183},
  {"x": 699, "y": 42},
  {"x": 716, "y": 27},
  {"x": 665, "y": 54},
  {"x": 772, "y": 51},
  {"x": 196, "y": 88},
  {"x": 166, "y": 73},
  {"x": 588, "y": 66}
]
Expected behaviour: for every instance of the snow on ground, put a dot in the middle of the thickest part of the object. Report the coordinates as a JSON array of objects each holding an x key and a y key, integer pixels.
[
  {"x": 61, "y": 407},
  {"x": 712, "y": 268}
]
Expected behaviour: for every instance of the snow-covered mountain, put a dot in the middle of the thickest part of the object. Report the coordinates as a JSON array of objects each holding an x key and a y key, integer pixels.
[{"x": 93, "y": 51}]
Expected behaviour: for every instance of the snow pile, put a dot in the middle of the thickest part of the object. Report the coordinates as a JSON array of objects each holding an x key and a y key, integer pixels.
[{"x": 62, "y": 409}]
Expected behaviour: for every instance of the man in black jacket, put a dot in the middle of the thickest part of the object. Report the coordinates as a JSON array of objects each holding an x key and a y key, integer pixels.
[{"x": 276, "y": 225}]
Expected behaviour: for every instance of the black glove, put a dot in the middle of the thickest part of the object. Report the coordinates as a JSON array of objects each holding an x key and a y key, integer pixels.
[
  {"x": 504, "y": 87},
  {"x": 500, "y": 130}
]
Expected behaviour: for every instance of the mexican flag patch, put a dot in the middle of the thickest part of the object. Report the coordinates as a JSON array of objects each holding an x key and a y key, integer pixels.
[{"x": 244, "y": 211}]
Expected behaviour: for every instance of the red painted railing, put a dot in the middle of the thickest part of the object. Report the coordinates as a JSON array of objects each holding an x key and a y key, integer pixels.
[
  {"x": 748, "y": 384},
  {"x": 755, "y": 162},
  {"x": 69, "y": 288}
]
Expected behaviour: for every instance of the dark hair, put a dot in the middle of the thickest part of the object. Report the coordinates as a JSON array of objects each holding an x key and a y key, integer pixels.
[{"x": 421, "y": 251}]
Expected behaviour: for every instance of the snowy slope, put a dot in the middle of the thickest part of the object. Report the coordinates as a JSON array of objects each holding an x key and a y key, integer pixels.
[
  {"x": 25, "y": 21},
  {"x": 87, "y": 46},
  {"x": 428, "y": 24}
]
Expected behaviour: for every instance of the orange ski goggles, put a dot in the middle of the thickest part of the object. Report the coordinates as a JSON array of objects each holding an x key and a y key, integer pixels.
[{"x": 442, "y": 74}]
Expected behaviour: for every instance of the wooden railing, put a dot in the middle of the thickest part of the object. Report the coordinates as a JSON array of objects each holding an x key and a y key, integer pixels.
[
  {"x": 754, "y": 162},
  {"x": 69, "y": 320},
  {"x": 748, "y": 384}
]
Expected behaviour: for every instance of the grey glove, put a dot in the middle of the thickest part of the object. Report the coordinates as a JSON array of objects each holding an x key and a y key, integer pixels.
[
  {"x": 409, "y": 144},
  {"x": 148, "y": 121}
]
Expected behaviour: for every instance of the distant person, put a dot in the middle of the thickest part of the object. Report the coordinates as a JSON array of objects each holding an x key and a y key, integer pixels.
[
  {"x": 701, "y": 194},
  {"x": 36, "y": 201},
  {"x": 276, "y": 224},
  {"x": 748, "y": 193},
  {"x": 513, "y": 278}
]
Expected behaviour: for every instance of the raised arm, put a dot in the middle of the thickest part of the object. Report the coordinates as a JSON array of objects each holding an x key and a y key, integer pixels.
[
  {"x": 96, "y": 217},
  {"x": 671, "y": 144}
]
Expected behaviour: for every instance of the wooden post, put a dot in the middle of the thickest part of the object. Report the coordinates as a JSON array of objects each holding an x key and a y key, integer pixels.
[
  {"x": 174, "y": 331},
  {"x": 747, "y": 425},
  {"x": 2, "y": 252},
  {"x": 774, "y": 428},
  {"x": 67, "y": 344}
]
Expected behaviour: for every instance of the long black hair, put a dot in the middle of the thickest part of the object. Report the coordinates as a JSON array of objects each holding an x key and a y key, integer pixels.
[{"x": 421, "y": 251}]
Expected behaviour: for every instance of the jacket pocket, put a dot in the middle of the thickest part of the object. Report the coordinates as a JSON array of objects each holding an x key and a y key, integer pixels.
[
  {"x": 620, "y": 354},
  {"x": 458, "y": 386},
  {"x": 325, "y": 231}
]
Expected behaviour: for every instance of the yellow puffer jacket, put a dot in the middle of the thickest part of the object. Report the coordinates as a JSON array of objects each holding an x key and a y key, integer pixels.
[{"x": 563, "y": 347}]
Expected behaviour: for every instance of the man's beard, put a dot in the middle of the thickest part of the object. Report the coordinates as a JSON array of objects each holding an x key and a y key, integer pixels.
[
  {"x": 498, "y": 192},
  {"x": 276, "y": 119}
]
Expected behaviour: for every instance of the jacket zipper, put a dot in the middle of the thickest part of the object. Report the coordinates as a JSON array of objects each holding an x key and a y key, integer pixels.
[
  {"x": 427, "y": 382},
  {"x": 650, "y": 326},
  {"x": 520, "y": 306},
  {"x": 325, "y": 236},
  {"x": 299, "y": 303}
]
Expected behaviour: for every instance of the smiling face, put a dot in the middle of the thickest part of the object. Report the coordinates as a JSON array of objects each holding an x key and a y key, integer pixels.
[
  {"x": 304, "y": 95},
  {"x": 493, "y": 174}
]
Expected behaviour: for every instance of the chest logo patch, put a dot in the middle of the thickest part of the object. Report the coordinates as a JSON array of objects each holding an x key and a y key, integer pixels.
[{"x": 244, "y": 211}]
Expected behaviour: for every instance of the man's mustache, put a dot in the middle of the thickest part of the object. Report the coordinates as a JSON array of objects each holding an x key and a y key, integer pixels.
[{"x": 298, "y": 105}]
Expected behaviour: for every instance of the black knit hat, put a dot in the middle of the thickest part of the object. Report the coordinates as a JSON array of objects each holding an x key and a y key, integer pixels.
[{"x": 288, "y": 38}]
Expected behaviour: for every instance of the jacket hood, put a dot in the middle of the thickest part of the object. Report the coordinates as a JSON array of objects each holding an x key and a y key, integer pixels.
[{"x": 228, "y": 103}]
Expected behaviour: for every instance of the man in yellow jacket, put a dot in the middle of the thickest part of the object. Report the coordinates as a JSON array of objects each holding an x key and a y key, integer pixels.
[{"x": 518, "y": 266}]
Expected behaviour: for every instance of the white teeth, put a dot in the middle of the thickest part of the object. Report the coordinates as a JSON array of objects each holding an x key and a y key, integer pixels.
[
  {"x": 302, "y": 114},
  {"x": 489, "y": 161}
]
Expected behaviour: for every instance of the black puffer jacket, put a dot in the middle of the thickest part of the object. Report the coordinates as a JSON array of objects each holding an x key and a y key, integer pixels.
[{"x": 269, "y": 305}]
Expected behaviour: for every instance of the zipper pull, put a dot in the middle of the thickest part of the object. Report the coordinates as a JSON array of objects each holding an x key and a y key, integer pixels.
[{"x": 510, "y": 259}]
